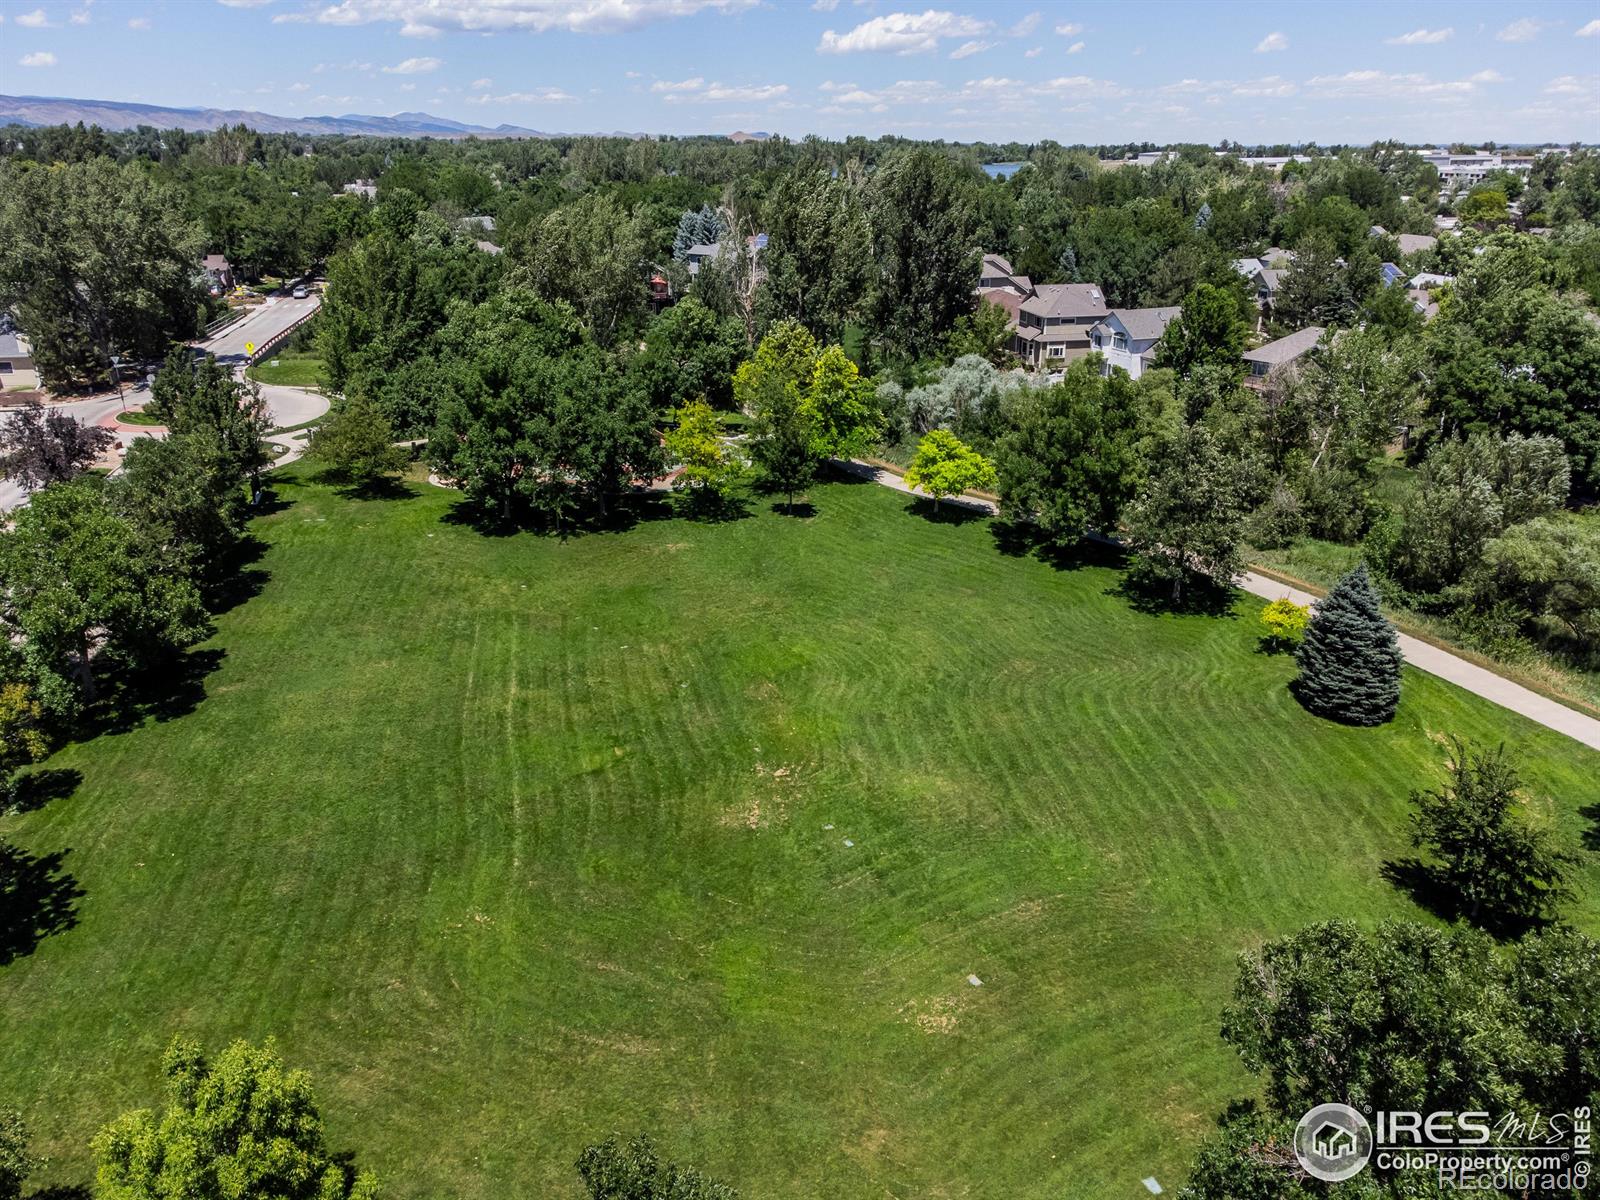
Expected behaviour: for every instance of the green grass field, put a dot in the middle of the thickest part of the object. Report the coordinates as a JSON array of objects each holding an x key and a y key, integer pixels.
[
  {"x": 294, "y": 368},
  {"x": 512, "y": 841}
]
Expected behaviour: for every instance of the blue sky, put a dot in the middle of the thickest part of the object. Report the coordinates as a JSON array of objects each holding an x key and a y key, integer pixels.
[{"x": 1077, "y": 72}]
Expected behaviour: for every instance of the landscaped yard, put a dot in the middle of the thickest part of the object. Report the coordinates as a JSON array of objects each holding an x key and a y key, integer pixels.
[
  {"x": 701, "y": 829},
  {"x": 295, "y": 368}
]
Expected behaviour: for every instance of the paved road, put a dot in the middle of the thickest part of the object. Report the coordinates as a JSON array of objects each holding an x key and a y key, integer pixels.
[
  {"x": 288, "y": 405},
  {"x": 1475, "y": 679},
  {"x": 268, "y": 319}
]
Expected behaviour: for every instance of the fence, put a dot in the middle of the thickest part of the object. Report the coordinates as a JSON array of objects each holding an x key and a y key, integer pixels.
[{"x": 283, "y": 335}]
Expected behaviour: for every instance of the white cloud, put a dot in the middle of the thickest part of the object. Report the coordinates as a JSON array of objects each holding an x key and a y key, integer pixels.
[
  {"x": 1075, "y": 48},
  {"x": 79, "y": 16},
  {"x": 299, "y": 87},
  {"x": 1034, "y": 53},
  {"x": 698, "y": 91},
  {"x": 1381, "y": 85},
  {"x": 968, "y": 49},
  {"x": 824, "y": 5},
  {"x": 1273, "y": 41},
  {"x": 1422, "y": 37},
  {"x": 414, "y": 66},
  {"x": 1026, "y": 26},
  {"x": 1069, "y": 29},
  {"x": 903, "y": 33},
  {"x": 542, "y": 96},
  {"x": 428, "y": 18},
  {"x": 140, "y": 23},
  {"x": 33, "y": 20},
  {"x": 478, "y": 85},
  {"x": 1524, "y": 30},
  {"x": 1573, "y": 85},
  {"x": 1592, "y": 29},
  {"x": 39, "y": 58}
]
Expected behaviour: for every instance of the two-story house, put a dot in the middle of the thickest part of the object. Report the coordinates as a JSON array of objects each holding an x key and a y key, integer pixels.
[
  {"x": 1282, "y": 355},
  {"x": 1053, "y": 324},
  {"x": 1128, "y": 337}
]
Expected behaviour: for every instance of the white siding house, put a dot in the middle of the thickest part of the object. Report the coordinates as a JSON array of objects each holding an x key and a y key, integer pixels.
[{"x": 1128, "y": 337}]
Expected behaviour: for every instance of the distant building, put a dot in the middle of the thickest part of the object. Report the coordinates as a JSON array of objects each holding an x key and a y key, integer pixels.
[
  {"x": 16, "y": 357},
  {"x": 1390, "y": 274},
  {"x": 1128, "y": 337},
  {"x": 1264, "y": 362},
  {"x": 364, "y": 188},
  {"x": 219, "y": 271}
]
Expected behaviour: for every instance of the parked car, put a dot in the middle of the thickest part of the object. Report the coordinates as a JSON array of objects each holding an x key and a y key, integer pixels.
[{"x": 299, "y": 292}]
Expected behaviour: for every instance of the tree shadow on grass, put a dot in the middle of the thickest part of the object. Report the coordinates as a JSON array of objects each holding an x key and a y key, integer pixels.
[
  {"x": 384, "y": 487},
  {"x": 947, "y": 512},
  {"x": 1591, "y": 836},
  {"x": 37, "y": 899},
  {"x": 33, "y": 790},
  {"x": 1200, "y": 597},
  {"x": 1021, "y": 539},
  {"x": 802, "y": 509},
  {"x": 1427, "y": 886},
  {"x": 237, "y": 579},
  {"x": 62, "y": 1191},
  {"x": 622, "y": 514},
  {"x": 175, "y": 689}
]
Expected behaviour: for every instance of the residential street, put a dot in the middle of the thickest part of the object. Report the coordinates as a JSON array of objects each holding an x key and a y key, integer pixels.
[{"x": 289, "y": 406}]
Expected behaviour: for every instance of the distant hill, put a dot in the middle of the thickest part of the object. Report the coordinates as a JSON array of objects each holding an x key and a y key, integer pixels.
[
  {"x": 113, "y": 114},
  {"x": 741, "y": 136}
]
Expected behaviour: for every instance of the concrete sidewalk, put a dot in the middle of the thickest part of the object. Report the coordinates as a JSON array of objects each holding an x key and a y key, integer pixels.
[{"x": 1480, "y": 681}]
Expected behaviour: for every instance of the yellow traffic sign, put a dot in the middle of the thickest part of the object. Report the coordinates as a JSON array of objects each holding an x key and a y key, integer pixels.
[{"x": 249, "y": 347}]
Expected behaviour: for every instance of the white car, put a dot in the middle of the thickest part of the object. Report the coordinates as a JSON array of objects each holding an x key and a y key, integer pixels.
[{"x": 299, "y": 293}]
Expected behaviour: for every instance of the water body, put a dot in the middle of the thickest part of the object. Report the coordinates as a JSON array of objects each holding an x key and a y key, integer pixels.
[{"x": 1002, "y": 170}]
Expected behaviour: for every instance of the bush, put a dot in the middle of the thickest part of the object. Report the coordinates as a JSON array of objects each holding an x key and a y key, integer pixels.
[{"x": 1285, "y": 623}]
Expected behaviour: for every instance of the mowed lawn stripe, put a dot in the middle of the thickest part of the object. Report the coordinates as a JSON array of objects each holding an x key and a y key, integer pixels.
[{"x": 515, "y": 840}]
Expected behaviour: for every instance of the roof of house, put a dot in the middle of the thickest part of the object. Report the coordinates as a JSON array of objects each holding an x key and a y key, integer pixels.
[
  {"x": 1410, "y": 243},
  {"x": 1002, "y": 298},
  {"x": 1066, "y": 300},
  {"x": 1145, "y": 324},
  {"x": 1247, "y": 266},
  {"x": 487, "y": 247},
  {"x": 1000, "y": 264},
  {"x": 1423, "y": 302},
  {"x": 13, "y": 344},
  {"x": 704, "y": 250},
  {"x": 1390, "y": 273},
  {"x": 1275, "y": 254},
  {"x": 1427, "y": 279},
  {"x": 1273, "y": 279},
  {"x": 215, "y": 262},
  {"x": 1286, "y": 349}
]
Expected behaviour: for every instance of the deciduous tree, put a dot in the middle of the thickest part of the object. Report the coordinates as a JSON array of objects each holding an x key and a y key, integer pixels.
[
  {"x": 946, "y": 466},
  {"x": 40, "y": 446},
  {"x": 242, "y": 1125}
]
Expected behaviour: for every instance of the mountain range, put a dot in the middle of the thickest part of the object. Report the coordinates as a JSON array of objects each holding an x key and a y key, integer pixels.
[{"x": 115, "y": 114}]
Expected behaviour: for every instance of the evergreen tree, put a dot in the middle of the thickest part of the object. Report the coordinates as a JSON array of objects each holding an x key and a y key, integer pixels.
[{"x": 1350, "y": 659}]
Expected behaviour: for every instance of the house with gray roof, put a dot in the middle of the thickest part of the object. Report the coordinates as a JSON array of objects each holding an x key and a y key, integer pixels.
[
  {"x": 1282, "y": 355},
  {"x": 16, "y": 357},
  {"x": 1128, "y": 337},
  {"x": 1053, "y": 324},
  {"x": 1415, "y": 243}
]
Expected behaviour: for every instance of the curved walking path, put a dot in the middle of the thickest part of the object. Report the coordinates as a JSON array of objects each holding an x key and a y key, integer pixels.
[{"x": 1420, "y": 654}]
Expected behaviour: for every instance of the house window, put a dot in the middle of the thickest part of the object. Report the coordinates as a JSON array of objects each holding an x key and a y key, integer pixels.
[
  {"x": 6, "y": 368},
  {"x": 1258, "y": 368},
  {"x": 1119, "y": 341},
  {"x": 1095, "y": 338},
  {"x": 1056, "y": 349}
]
